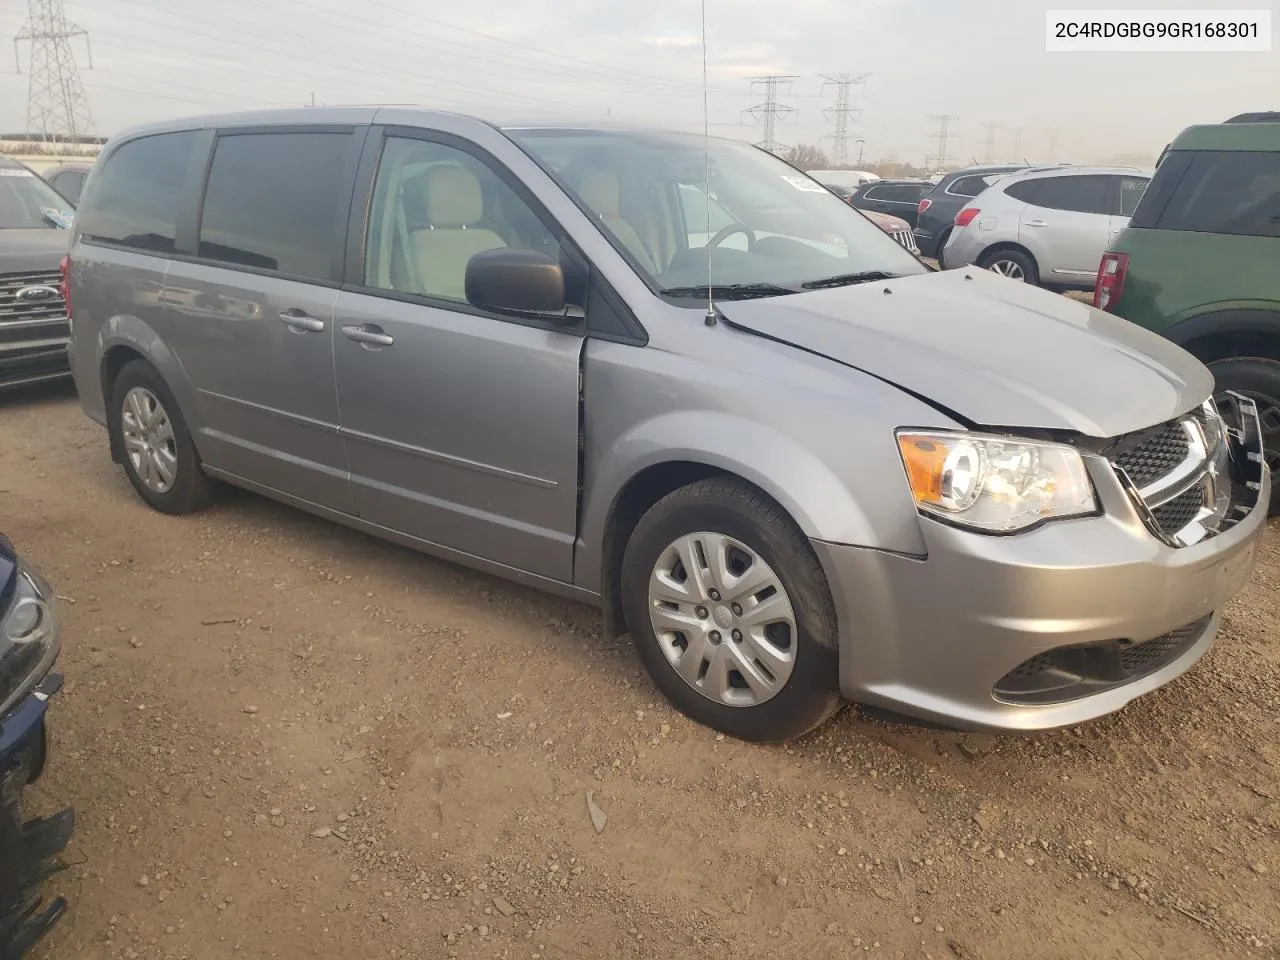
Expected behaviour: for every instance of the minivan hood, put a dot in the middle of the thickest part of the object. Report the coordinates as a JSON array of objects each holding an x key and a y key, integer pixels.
[
  {"x": 32, "y": 251},
  {"x": 993, "y": 351}
]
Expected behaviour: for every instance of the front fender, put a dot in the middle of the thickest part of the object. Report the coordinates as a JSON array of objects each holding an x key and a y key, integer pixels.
[{"x": 870, "y": 506}]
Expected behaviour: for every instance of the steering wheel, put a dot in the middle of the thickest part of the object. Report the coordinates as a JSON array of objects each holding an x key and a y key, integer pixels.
[{"x": 727, "y": 232}]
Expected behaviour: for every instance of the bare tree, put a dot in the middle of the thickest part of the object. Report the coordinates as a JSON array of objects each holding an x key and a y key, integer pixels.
[{"x": 807, "y": 157}]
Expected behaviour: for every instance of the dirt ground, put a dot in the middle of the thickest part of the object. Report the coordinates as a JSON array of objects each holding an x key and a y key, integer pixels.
[{"x": 285, "y": 739}]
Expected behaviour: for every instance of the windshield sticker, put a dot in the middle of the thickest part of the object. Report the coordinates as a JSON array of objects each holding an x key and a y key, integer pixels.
[
  {"x": 804, "y": 183},
  {"x": 15, "y": 172}
]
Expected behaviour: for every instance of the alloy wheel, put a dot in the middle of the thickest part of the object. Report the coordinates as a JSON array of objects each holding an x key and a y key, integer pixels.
[{"x": 1008, "y": 268}]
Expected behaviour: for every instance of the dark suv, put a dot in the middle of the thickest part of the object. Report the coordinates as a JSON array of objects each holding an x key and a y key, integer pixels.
[
  {"x": 33, "y": 240},
  {"x": 901, "y": 198},
  {"x": 936, "y": 211},
  {"x": 1198, "y": 260}
]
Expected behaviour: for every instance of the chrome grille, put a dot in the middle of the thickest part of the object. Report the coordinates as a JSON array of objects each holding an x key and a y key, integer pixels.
[
  {"x": 21, "y": 310},
  {"x": 907, "y": 239},
  {"x": 1178, "y": 475}
]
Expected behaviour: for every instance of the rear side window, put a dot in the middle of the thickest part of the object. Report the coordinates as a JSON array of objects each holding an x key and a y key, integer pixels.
[
  {"x": 274, "y": 201},
  {"x": 896, "y": 193},
  {"x": 138, "y": 193},
  {"x": 1232, "y": 193},
  {"x": 969, "y": 186},
  {"x": 1087, "y": 194}
]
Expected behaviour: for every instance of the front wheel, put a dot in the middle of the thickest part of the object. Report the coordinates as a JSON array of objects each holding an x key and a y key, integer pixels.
[
  {"x": 730, "y": 612},
  {"x": 1259, "y": 380}
]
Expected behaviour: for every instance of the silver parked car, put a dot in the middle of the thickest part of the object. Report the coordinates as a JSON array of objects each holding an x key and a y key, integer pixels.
[
  {"x": 1048, "y": 227},
  {"x": 849, "y": 476}
]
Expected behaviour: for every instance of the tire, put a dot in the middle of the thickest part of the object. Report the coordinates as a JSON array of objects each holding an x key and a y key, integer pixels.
[
  {"x": 1258, "y": 379},
  {"x": 189, "y": 489},
  {"x": 1016, "y": 260},
  {"x": 741, "y": 517}
]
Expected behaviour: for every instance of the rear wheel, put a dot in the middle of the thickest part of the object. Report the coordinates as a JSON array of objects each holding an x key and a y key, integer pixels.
[
  {"x": 1014, "y": 264},
  {"x": 730, "y": 612},
  {"x": 159, "y": 456},
  {"x": 1259, "y": 380}
]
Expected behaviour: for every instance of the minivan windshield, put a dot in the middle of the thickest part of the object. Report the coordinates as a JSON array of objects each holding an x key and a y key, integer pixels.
[
  {"x": 28, "y": 203},
  {"x": 668, "y": 199}
]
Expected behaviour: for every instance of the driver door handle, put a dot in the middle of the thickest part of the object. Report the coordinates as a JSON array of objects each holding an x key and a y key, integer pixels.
[
  {"x": 300, "y": 322},
  {"x": 368, "y": 334}
]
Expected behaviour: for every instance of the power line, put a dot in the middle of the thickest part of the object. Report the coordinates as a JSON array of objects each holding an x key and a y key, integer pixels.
[
  {"x": 842, "y": 113},
  {"x": 944, "y": 133},
  {"x": 57, "y": 106},
  {"x": 439, "y": 87},
  {"x": 768, "y": 112}
]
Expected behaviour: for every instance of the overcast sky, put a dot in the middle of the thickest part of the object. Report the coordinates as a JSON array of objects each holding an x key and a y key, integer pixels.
[{"x": 983, "y": 61}]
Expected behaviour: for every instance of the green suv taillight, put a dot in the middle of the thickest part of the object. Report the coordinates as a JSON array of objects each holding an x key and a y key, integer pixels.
[{"x": 1110, "y": 283}]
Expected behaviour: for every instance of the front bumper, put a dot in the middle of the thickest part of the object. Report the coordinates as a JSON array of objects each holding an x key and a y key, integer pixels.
[
  {"x": 935, "y": 637},
  {"x": 23, "y": 741},
  {"x": 26, "y": 362}
]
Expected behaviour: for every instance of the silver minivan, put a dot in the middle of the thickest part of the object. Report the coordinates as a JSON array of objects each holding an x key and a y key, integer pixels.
[{"x": 679, "y": 379}]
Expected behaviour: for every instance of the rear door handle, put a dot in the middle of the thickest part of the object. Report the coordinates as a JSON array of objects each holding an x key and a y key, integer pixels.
[
  {"x": 300, "y": 322},
  {"x": 368, "y": 333},
  {"x": 1036, "y": 223}
]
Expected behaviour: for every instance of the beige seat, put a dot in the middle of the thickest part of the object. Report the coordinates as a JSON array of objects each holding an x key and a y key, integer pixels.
[
  {"x": 601, "y": 191},
  {"x": 454, "y": 204}
]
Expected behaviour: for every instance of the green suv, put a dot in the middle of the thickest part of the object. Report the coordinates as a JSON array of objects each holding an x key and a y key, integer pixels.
[{"x": 1200, "y": 259}]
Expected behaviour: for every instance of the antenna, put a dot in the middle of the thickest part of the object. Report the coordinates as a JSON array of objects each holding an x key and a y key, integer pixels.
[{"x": 710, "y": 319}]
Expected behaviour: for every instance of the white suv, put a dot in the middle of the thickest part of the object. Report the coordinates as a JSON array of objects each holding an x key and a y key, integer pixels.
[{"x": 1047, "y": 227}]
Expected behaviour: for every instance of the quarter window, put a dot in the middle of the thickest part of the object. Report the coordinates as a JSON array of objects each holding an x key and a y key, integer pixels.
[
  {"x": 138, "y": 193},
  {"x": 434, "y": 208},
  {"x": 1131, "y": 191},
  {"x": 1232, "y": 193}
]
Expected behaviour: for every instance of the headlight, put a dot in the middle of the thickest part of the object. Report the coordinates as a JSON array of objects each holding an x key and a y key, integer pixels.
[
  {"x": 28, "y": 638},
  {"x": 995, "y": 484}
]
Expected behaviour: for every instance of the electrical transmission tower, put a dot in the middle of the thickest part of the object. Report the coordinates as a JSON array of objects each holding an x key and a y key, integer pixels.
[
  {"x": 841, "y": 113},
  {"x": 989, "y": 155},
  {"x": 57, "y": 106},
  {"x": 943, "y": 134},
  {"x": 768, "y": 113}
]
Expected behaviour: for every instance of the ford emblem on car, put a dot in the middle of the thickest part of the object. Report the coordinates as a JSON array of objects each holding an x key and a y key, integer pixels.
[{"x": 29, "y": 294}]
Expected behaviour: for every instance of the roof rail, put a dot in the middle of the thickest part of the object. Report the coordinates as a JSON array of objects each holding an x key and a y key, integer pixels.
[{"x": 1266, "y": 116}]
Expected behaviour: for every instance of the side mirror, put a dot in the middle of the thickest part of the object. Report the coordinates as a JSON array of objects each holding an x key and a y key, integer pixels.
[{"x": 510, "y": 280}]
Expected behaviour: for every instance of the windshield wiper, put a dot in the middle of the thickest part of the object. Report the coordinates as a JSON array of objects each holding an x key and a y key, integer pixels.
[
  {"x": 730, "y": 291},
  {"x": 848, "y": 279}
]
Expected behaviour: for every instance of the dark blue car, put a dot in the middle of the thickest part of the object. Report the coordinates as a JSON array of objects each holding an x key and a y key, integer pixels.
[{"x": 29, "y": 646}]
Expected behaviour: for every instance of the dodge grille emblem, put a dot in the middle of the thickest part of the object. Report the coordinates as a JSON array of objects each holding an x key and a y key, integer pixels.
[{"x": 36, "y": 294}]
